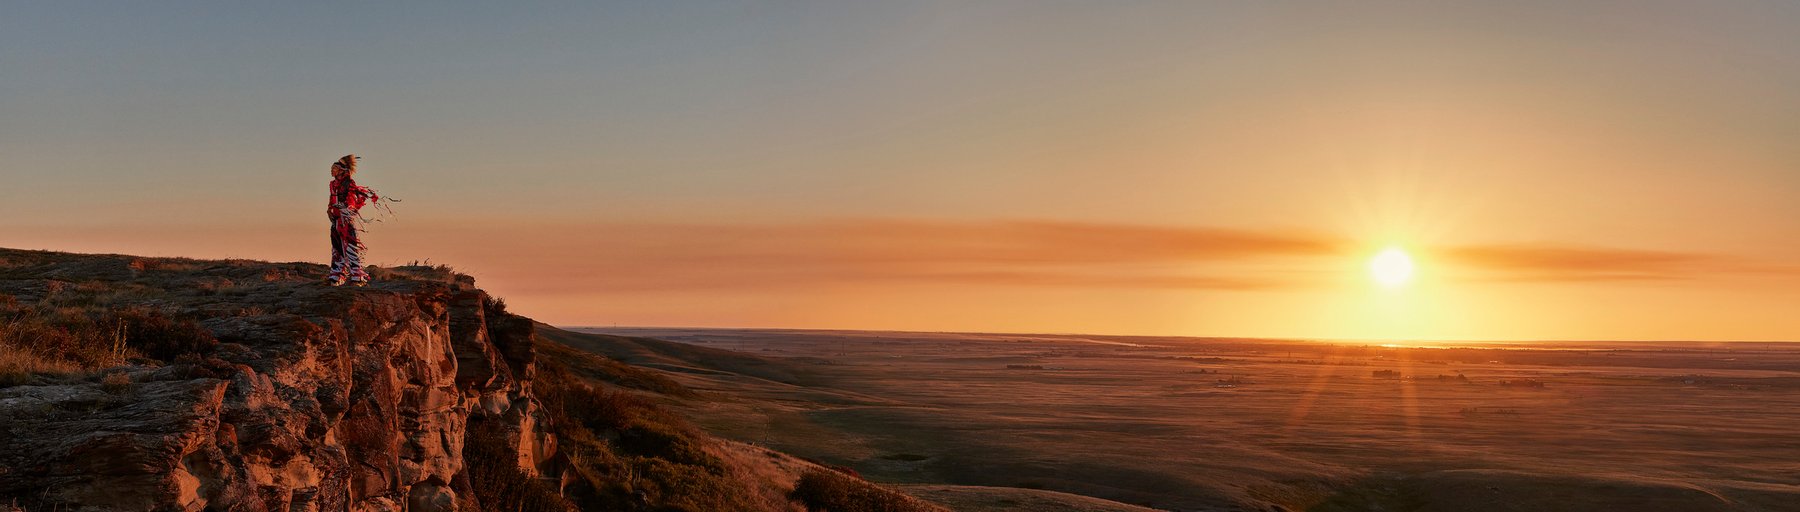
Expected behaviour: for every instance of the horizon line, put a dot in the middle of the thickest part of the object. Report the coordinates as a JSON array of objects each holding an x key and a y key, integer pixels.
[{"x": 1189, "y": 336}]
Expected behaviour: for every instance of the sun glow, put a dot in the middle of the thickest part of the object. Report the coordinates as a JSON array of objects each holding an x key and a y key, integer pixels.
[{"x": 1391, "y": 267}]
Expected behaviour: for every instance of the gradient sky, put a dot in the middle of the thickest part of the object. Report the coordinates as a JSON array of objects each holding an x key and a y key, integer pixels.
[{"x": 1601, "y": 170}]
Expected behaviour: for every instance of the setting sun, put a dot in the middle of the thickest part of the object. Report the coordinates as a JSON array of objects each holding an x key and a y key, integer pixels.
[{"x": 1391, "y": 267}]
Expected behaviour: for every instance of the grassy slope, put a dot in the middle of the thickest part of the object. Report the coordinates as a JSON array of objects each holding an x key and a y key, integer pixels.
[
  {"x": 754, "y": 378},
  {"x": 680, "y": 357},
  {"x": 1492, "y": 462},
  {"x": 656, "y": 453}
]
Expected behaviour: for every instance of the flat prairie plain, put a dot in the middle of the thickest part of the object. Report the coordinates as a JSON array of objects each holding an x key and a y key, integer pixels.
[{"x": 1071, "y": 422}]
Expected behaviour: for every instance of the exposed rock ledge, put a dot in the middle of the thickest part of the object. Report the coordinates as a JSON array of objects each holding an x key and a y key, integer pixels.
[{"x": 316, "y": 398}]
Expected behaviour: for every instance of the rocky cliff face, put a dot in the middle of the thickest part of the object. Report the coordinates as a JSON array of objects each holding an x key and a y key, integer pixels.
[{"x": 314, "y": 398}]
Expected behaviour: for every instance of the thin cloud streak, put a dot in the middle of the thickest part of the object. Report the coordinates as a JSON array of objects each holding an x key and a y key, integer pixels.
[
  {"x": 1542, "y": 262},
  {"x": 1008, "y": 253},
  {"x": 1041, "y": 253}
]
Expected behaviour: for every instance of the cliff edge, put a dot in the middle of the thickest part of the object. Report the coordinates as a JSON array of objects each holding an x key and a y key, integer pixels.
[
  {"x": 290, "y": 395},
  {"x": 168, "y": 384}
]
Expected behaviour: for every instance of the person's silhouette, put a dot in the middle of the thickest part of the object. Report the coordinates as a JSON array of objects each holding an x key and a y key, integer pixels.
[{"x": 347, "y": 198}]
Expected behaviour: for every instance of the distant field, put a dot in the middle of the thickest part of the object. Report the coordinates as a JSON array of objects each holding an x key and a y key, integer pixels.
[{"x": 1225, "y": 424}]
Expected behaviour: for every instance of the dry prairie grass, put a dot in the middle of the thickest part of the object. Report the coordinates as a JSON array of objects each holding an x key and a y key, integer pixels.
[
  {"x": 1307, "y": 426},
  {"x": 18, "y": 365}
]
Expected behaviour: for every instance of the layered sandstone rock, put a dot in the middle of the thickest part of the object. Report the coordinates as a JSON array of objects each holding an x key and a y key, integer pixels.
[{"x": 315, "y": 399}]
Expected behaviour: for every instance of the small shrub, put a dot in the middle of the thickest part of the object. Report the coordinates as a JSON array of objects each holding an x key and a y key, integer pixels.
[
  {"x": 116, "y": 383},
  {"x": 825, "y": 490},
  {"x": 213, "y": 285},
  {"x": 666, "y": 441},
  {"x": 499, "y": 484},
  {"x": 160, "y": 337},
  {"x": 593, "y": 407},
  {"x": 626, "y": 453}
]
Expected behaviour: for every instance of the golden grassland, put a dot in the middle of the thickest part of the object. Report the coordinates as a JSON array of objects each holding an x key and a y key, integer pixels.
[{"x": 1222, "y": 424}]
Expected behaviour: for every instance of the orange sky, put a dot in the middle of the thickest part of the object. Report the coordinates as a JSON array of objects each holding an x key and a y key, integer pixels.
[
  {"x": 1557, "y": 171},
  {"x": 1044, "y": 276}
]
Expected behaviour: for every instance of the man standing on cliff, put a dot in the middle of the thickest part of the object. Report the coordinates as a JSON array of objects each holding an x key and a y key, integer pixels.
[{"x": 347, "y": 199}]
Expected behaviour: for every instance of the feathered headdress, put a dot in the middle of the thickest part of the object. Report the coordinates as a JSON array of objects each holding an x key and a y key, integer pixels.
[{"x": 344, "y": 165}]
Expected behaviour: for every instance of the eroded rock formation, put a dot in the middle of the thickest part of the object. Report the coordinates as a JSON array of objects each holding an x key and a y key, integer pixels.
[{"x": 315, "y": 398}]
